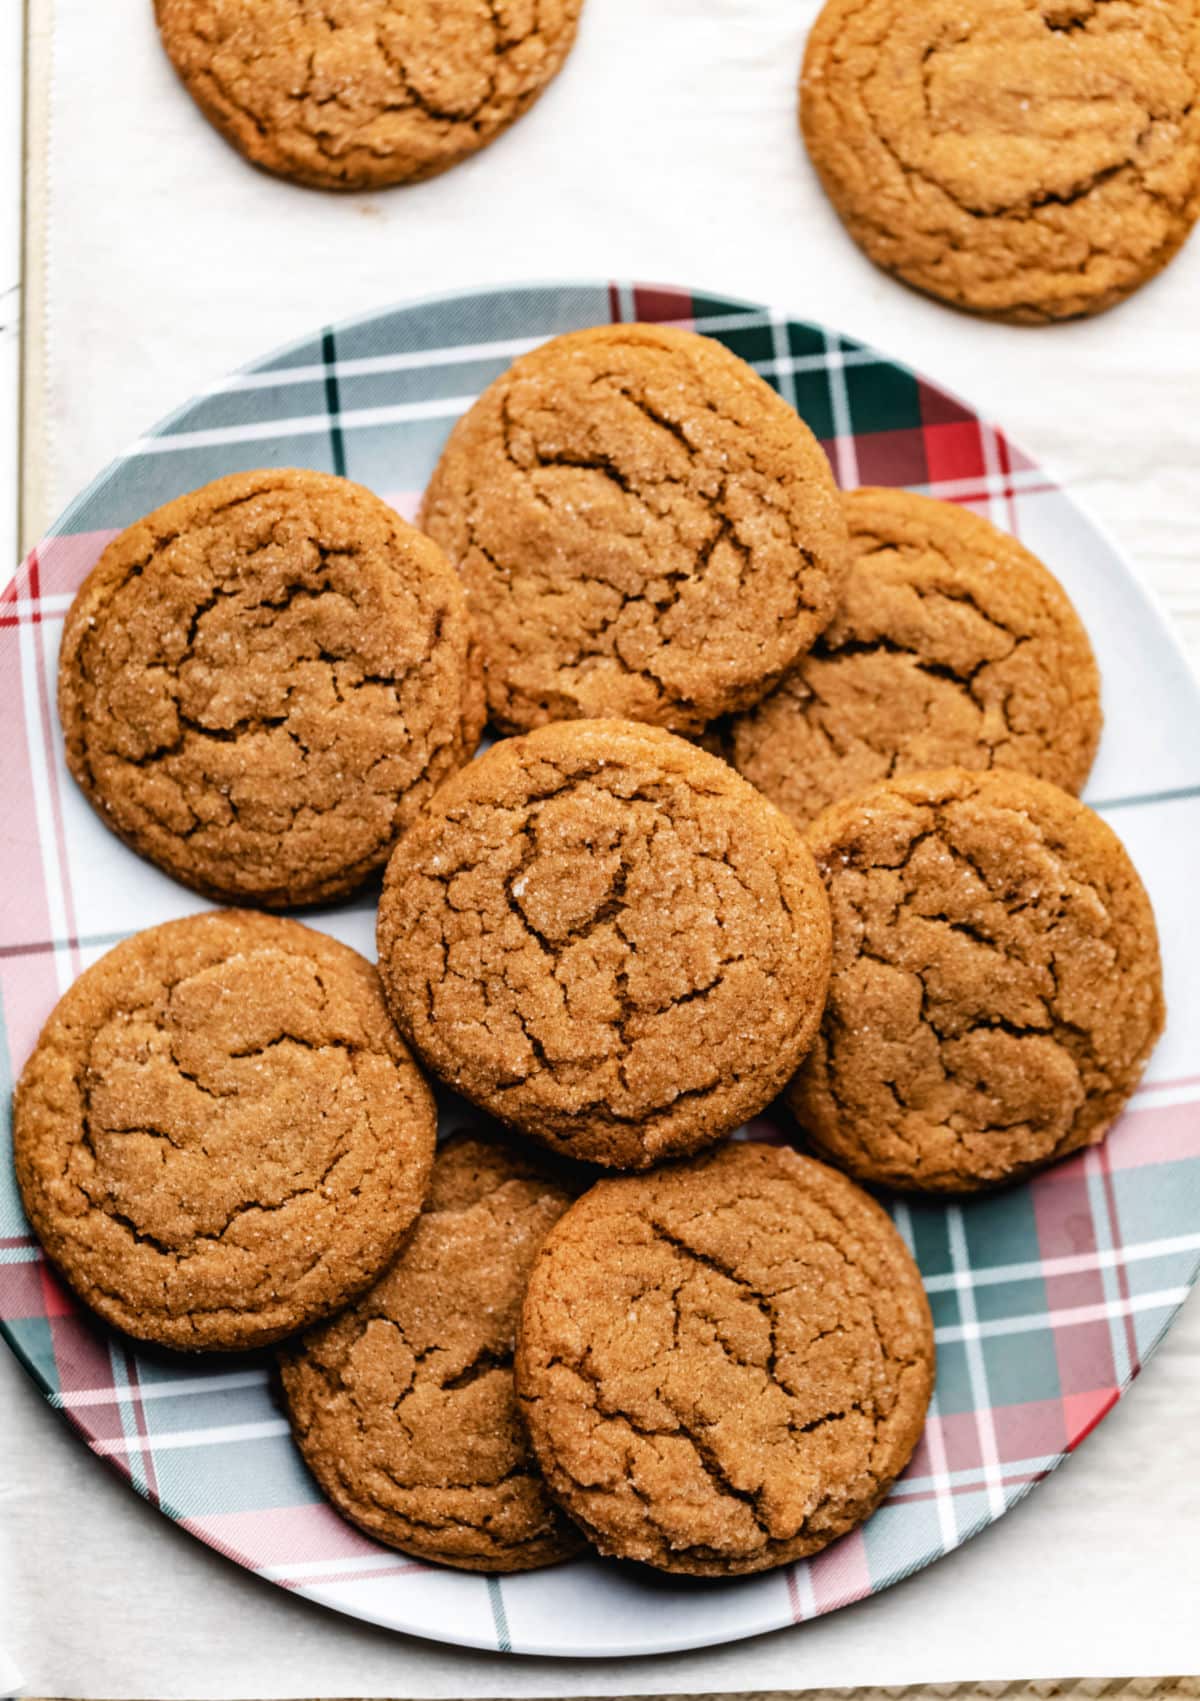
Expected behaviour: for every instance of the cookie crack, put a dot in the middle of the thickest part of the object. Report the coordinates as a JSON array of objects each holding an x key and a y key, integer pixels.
[
  {"x": 708, "y": 1262},
  {"x": 483, "y": 1364},
  {"x": 414, "y": 98}
]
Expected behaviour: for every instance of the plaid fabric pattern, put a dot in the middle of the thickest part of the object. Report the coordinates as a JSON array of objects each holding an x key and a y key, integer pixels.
[{"x": 1047, "y": 1299}]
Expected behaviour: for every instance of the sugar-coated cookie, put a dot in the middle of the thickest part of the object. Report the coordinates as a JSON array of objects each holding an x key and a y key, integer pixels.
[
  {"x": 645, "y": 528},
  {"x": 952, "y": 646},
  {"x": 403, "y": 1406},
  {"x": 996, "y": 988},
  {"x": 1028, "y": 159},
  {"x": 726, "y": 1363},
  {"x": 220, "y": 1137},
  {"x": 606, "y": 938},
  {"x": 261, "y": 682},
  {"x": 359, "y": 94}
]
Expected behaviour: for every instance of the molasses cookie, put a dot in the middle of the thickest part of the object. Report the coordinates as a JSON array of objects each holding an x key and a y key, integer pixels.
[
  {"x": 1052, "y": 190},
  {"x": 952, "y": 646},
  {"x": 725, "y": 1364},
  {"x": 996, "y": 987},
  {"x": 604, "y": 937},
  {"x": 262, "y": 682},
  {"x": 359, "y": 94},
  {"x": 404, "y": 1405},
  {"x": 220, "y": 1137},
  {"x": 644, "y": 527}
]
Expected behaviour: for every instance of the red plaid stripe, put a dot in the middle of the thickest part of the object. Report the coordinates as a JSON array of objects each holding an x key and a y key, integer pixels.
[{"x": 651, "y": 305}]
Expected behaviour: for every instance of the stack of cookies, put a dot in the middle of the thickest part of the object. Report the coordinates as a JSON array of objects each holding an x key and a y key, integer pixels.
[{"x": 786, "y": 807}]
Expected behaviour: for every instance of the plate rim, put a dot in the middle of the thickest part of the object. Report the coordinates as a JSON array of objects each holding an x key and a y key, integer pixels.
[{"x": 1165, "y": 633}]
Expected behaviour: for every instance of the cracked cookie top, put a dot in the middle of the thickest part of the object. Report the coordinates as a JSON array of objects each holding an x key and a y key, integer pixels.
[
  {"x": 952, "y": 646},
  {"x": 996, "y": 988},
  {"x": 644, "y": 527},
  {"x": 404, "y": 1406},
  {"x": 261, "y": 682},
  {"x": 1051, "y": 191},
  {"x": 359, "y": 94},
  {"x": 220, "y": 1137},
  {"x": 604, "y": 937},
  {"x": 724, "y": 1364}
]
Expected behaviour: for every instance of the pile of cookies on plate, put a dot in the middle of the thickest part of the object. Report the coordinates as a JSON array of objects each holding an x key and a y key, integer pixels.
[{"x": 784, "y": 803}]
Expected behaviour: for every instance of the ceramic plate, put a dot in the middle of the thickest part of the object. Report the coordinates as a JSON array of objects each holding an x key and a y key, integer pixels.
[{"x": 1047, "y": 1298}]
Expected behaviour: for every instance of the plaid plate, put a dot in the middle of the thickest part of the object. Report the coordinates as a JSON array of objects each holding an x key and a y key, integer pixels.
[{"x": 1047, "y": 1299}]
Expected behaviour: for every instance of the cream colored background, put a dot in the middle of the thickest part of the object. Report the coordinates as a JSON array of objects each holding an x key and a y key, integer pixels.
[{"x": 667, "y": 150}]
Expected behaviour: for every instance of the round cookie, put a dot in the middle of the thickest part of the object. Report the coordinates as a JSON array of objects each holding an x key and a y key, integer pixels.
[
  {"x": 1052, "y": 191},
  {"x": 644, "y": 527},
  {"x": 725, "y": 1364},
  {"x": 360, "y": 94},
  {"x": 220, "y": 1137},
  {"x": 996, "y": 988},
  {"x": 261, "y": 682},
  {"x": 952, "y": 646},
  {"x": 604, "y": 937},
  {"x": 404, "y": 1406}
]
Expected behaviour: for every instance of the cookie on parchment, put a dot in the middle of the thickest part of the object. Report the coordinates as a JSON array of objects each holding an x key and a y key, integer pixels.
[
  {"x": 360, "y": 94},
  {"x": 220, "y": 1137},
  {"x": 952, "y": 646},
  {"x": 645, "y": 528},
  {"x": 261, "y": 682},
  {"x": 1028, "y": 159},
  {"x": 403, "y": 1406},
  {"x": 605, "y": 938},
  {"x": 996, "y": 989},
  {"x": 724, "y": 1364}
]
